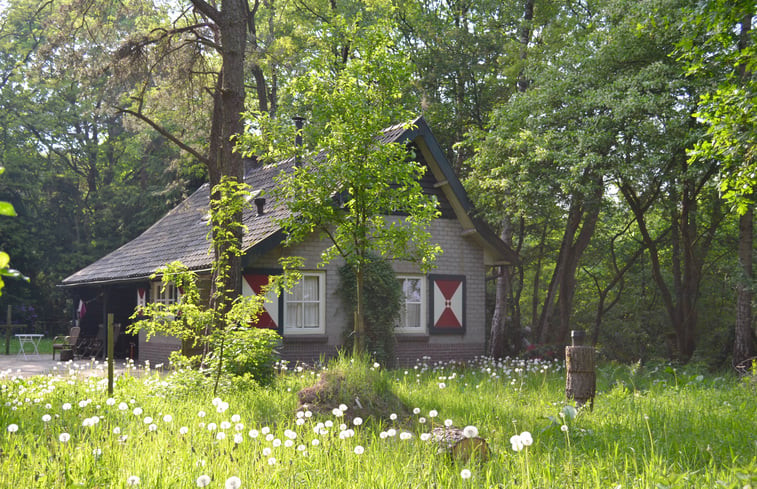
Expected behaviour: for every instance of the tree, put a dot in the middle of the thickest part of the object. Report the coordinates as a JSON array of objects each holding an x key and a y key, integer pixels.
[
  {"x": 720, "y": 46},
  {"x": 358, "y": 191}
]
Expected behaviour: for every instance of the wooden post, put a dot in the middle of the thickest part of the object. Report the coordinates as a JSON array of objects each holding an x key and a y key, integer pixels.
[
  {"x": 8, "y": 332},
  {"x": 581, "y": 378},
  {"x": 111, "y": 349}
]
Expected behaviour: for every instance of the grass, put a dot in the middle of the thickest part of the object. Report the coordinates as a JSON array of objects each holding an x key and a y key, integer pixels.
[
  {"x": 45, "y": 346},
  {"x": 651, "y": 427}
]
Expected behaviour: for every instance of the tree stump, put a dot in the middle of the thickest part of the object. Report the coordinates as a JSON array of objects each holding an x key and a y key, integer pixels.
[
  {"x": 581, "y": 378},
  {"x": 452, "y": 441}
]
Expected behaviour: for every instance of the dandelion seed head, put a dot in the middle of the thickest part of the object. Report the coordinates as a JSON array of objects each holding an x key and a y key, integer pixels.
[
  {"x": 203, "y": 480},
  {"x": 233, "y": 482},
  {"x": 465, "y": 474}
]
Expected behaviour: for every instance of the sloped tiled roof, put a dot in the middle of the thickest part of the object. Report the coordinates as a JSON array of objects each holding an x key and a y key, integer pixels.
[{"x": 182, "y": 233}]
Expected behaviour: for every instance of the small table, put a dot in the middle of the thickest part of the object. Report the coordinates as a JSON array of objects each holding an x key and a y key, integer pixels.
[{"x": 31, "y": 338}]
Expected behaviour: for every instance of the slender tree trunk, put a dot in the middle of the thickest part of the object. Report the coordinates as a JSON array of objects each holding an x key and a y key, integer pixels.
[{"x": 743, "y": 345}]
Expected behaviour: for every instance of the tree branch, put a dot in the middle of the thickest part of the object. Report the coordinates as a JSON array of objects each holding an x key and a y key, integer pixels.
[
  {"x": 163, "y": 132},
  {"x": 207, "y": 10}
]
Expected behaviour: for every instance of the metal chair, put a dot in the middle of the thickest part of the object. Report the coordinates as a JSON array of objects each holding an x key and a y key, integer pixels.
[{"x": 66, "y": 342}]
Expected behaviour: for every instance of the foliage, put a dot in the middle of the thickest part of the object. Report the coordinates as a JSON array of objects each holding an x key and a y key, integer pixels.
[
  {"x": 359, "y": 192},
  {"x": 6, "y": 209},
  {"x": 652, "y": 425},
  {"x": 382, "y": 304},
  {"x": 221, "y": 330},
  {"x": 719, "y": 46}
]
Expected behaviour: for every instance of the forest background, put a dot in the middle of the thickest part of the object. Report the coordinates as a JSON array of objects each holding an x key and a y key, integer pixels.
[{"x": 610, "y": 142}]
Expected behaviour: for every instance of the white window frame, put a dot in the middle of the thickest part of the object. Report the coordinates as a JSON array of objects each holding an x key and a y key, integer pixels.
[
  {"x": 421, "y": 328},
  {"x": 293, "y": 330},
  {"x": 171, "y": 294}
]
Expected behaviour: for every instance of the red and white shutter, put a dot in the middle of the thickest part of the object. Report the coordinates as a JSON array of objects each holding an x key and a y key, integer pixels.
[
  {"x": 448, "y": 304},
  {"x": 252, "y": 285},
  {"x": 141, "y": 298}
]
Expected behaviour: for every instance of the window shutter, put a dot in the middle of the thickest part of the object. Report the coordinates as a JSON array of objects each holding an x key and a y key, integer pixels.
[
  {"x": 252, "y": 285},
  {"x": 447, "y": 303}
]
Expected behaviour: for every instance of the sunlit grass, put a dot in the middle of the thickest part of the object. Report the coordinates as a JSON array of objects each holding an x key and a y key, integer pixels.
[{"x": 651, "y": 427}]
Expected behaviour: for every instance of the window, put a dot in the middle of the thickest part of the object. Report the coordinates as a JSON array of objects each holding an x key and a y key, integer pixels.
[
  {"x": 305, "y": 305},
  {"x": 167, "y": 295},
  {"x": 412, "y": 313}
]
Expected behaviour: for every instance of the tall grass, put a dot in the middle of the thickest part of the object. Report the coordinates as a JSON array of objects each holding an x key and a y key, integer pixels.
[{"x": 650, "y": 428}]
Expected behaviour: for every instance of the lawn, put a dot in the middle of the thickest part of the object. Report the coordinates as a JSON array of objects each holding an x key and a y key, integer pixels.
[{"x": 654, "y": 426}]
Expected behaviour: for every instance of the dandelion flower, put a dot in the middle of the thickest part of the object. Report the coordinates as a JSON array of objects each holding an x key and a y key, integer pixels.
[
  {"x": 357, "y": 421},
  {"x": 220, "y": 435},
  {"x": 201, "y": 414},
  {"x": 46, "y": 418},
  {"x": 342, "y": 407},
  {"x": 123, "y": 406},
  {"x": 225, "y": 425},
  {"x": 272, "y": 461},
  {"x": 253, "y": 433},
  {"x": 425, "y": 436},
  {"x": 267, "y": 451},
  {"x": 12, "y": 428},
  {"x": 183, "y": 430},
  {"x": 116, "y": 430},
  {"x": 133, "y": 480},
  {"x": 167, "y": 418},
  {"x": 233, "y": 482},
  {"x": 238, "y": 438},
  {"x": 405, "y": 435},
  {"x": 422, "y": 420},
  {"x": 564, "y": 428},
  {"x": 64, "y": 437},
  {"x": 137, "y": 411},
  {"x": 359, "y": 450},
  {"x": 203, "y": 480},
  {"x": 66, "y": 406},
  {"x": 393, "y": 416},
  {"x": 337, "y": 412},
  {"x": 433, "y": 413},
  {"x": 417, "y": 411},
  {"x": 447, "y": 423},
  {"x": 470, "y": 431},
  {"x": 148, "y": 420},
  {"x": 236, "y": 418},
  {"x": 465, "y": 474}
]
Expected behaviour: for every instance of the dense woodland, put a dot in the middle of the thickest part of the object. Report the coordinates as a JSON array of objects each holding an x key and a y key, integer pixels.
[{"x": 610, "y": 142}]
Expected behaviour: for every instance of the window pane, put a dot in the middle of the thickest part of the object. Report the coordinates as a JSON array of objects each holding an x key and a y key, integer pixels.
[
  {"x": 311, "y": 315},
  {"x": 310, "y": 288},
  {"x": 413, "y": 316},
  {"x": 412, "y": 288}
]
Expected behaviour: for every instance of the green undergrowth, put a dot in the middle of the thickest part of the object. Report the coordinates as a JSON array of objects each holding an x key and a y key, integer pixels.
[{"x": 651, "y": 427}]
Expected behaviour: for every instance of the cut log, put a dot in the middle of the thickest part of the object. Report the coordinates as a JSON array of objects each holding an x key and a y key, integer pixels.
[
  {"x": 580, "y": 377},
  {"x": 452, "y": 441}
]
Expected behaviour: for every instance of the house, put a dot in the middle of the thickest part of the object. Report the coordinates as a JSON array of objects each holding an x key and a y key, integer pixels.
[{"x": 444, "y": 311}]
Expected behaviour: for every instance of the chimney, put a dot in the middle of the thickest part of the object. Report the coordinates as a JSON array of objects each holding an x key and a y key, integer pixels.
[
  {"x": 298, "y": 123},
  {"x": 260, "y": 204}
]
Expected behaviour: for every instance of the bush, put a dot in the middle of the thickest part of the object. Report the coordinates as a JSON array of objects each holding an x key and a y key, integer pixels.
[{"x": 251, "y": 352}]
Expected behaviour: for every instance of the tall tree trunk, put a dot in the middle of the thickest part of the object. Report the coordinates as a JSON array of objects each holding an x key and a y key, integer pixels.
[
  {"x": 228, "y": 105},
  {"x": 503, "y": 287},
  {"x": 743, "y": 345},
  {"x": 498, "y": 331}
]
